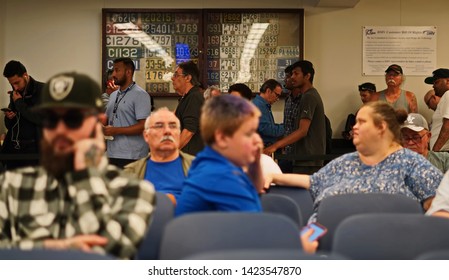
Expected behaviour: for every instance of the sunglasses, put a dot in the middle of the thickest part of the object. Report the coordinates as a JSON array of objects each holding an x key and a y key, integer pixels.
[{"x": 72, "y": 119}]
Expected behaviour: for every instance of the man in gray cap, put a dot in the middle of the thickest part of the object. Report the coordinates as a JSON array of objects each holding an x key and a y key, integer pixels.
[
  {"x": 440, "y": 119},
  {"x": 75, "y": 199},
  {"x": 416, "y": 135}
]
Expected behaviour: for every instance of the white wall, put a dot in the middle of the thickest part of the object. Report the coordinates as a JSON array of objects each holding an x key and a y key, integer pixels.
[{"x": 50, "y": 36}]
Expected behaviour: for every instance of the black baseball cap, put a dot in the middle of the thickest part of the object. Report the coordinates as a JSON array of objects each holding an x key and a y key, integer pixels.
[
  {"x": 395, "y": 68},
  {"x": 71, "y": 90},
  {"x": 368, "y": 87},
  {"x": 437, "y": 74}
]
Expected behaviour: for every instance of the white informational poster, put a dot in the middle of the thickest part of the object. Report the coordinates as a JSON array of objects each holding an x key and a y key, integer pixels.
[{"x": 411, "y": 47}]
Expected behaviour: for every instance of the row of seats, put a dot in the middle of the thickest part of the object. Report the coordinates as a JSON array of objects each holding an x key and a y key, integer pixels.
[{"x": 360, "y": 226}]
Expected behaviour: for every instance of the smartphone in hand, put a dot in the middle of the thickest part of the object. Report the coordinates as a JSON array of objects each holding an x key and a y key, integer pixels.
[
  {"x": 318, "y": 231},
  {"x": 6, "y": 109}
]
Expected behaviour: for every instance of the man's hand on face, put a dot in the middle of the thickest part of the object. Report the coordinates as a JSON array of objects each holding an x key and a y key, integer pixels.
[
  {"x": 15, "y": 95},
  {"x": 88, "y": 152}
]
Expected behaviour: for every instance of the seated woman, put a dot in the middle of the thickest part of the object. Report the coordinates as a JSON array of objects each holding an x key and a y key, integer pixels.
[{"x": 380, "y": 163}]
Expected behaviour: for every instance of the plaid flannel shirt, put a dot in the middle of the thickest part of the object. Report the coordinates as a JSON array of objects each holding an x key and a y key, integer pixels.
[{"x": 35, "y": 206}]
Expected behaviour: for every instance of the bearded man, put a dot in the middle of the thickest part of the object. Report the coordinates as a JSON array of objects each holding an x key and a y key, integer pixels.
[{"x": 74, "y": 199}]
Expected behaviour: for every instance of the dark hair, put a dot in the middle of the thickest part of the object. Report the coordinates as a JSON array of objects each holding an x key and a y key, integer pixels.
[
  {"x": 288, "y": 69},
  {"x": 127, "y": 61},
  {"x": 270, "y": 84},
  {"x": 13, "y": 68},
  {"x": 190, "y": 68},
  {"x": 394, "y": 118},
  {"x": 367, "y": 86},
  {"x": 306, "y": 68},
  {"x": 243, "y": 89}
]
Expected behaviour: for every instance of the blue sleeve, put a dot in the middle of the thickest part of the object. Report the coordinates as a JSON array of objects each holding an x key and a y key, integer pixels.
[
  {"x": 329, "y": 175},
  {"x": 423, "y": 178}
]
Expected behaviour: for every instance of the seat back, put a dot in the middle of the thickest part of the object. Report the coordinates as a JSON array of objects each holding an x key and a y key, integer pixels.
[
  {"x": 283, "y": 205},
  {"x": 333, "y": 210},
  {"x": 434, "y": 255},
  {"x": 163, "y": 213},
  {"x": 214, "y": 231},
  {"x": 263, "y": 254},
  {"x": 390, "y": 236},
  {"x": 301, "y": 196},
  {"x": 44, "y": 254}
]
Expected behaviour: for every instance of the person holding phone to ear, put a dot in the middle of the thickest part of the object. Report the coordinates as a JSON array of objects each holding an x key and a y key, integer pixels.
[
  {"x": 74, "y": 199},
  {"x": 23, "y": 124}
]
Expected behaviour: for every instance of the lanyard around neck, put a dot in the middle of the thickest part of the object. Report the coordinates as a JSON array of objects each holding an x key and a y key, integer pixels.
[{"x": 117, "y": 101}]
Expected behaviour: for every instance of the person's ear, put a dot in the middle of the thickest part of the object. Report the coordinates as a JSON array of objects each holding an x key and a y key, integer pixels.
[{"x": 221, "y": 140}]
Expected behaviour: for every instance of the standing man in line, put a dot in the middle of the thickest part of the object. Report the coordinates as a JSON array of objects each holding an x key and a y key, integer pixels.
[
  {"x": 127, "y": 109},
  {"x": 393, "y": 94},
  {"x": 440, "y": 119},
  {"x": 186, "y": 80},
  {"x": 23, "y": 124},
  {"x": 268, "y": 130},
  {"x": 305, "y": 124}
]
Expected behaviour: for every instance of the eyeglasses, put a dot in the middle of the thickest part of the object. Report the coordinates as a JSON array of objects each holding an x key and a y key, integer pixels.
[
  {"x": 176, "y": 74},
  {"x": 160, "y": 126},
  {"x": 277, "y": 94},
  {"x": 73, "y": 119},
  {"x": 415, "y": 138}
]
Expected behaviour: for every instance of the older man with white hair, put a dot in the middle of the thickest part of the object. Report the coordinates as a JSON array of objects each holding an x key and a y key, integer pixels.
[{"x": 165, "y": 166}]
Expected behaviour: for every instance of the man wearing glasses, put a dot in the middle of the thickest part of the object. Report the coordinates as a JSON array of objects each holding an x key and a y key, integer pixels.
[
  {"x": 393, "y": 94},
  {"x": 186, "y": 80},
  {"x": 74, "y": 199},
  {"x": 416, "y": 136},
  {"x": 165, "y": 166},
  {"x": 268, "y": 130}
]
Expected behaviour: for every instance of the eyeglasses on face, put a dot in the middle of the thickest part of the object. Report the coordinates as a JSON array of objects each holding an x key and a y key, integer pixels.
[
  {"x": 416, "y": 138},
  {"x": 176, "y": 74},
  {"x": 72, "y": 118}
]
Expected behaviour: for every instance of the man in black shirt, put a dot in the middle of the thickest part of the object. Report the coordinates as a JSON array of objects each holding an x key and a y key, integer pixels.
[
  {"x": 24, "y": 125},
  {"x": 185, "y": 82}
]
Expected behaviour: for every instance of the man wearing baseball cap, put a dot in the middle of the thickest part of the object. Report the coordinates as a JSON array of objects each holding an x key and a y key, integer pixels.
[
  {"x": 440, "y": 119},
  {"x": 416, "y": 135},
  {"x": 393, "y": 94},
  {"x": 74, "y": 199}
]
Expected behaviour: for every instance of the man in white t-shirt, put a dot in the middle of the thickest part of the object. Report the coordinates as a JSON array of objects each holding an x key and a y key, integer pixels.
[{"x": 440, "y": 120}]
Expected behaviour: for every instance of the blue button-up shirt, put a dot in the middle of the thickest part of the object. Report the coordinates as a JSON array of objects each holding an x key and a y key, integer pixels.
[{"x": 268, "y": 129}]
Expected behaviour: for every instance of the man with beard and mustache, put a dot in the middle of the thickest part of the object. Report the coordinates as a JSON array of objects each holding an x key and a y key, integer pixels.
[
  {"x": 74, "y": 199},
  {"x": 393, "y": 94},
  {"x": 439, "y": 141},
  {"x": 22, "y": 123},
  {"x": 127, "y": 109},
  {"x": 165, "y": 166}
]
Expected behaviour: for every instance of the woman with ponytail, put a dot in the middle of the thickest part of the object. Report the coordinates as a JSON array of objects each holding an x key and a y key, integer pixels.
[{"x": 380, "y": 164}]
